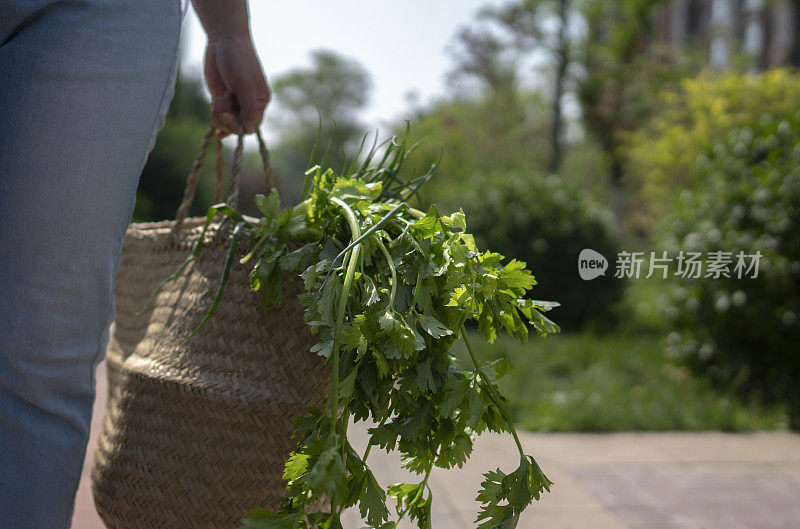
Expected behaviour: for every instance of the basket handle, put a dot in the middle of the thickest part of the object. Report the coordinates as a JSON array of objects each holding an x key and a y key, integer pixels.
[{"x": 233, "y": 189}]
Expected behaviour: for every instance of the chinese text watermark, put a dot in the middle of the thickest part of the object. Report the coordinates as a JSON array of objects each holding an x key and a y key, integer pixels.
[{"x": 688, "y": 265}]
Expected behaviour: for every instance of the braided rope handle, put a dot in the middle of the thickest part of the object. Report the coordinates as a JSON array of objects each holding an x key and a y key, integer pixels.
[
  {"x": 233, "y": 188},
  {"x": 219, "y": 169},
  {"x": 191, "y": 183},
  {"x": 262, "y": 148}
]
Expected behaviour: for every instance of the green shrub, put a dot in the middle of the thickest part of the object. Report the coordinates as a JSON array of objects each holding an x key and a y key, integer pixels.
[
  {"x": 546, "y": 222},
  {"x": 468, "y": 138},
  {"x": 690, "y": 122},
  {"x": 618, "y": 381},
  {"x": 743, "y": 332}
]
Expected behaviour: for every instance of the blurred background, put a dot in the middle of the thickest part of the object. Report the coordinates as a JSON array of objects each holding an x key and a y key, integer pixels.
[{"x": 632, "y": 125}]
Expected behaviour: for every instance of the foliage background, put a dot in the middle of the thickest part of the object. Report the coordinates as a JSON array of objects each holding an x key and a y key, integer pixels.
[
  {"x": 745, "y": 198},
  {"x": 574, "y": 124}
]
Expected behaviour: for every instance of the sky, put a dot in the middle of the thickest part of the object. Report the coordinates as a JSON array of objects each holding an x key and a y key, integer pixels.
[{"x": 401, "y": 44}]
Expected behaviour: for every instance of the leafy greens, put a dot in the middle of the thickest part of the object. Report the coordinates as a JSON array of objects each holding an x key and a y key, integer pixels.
[{"x": 388, "y": 291}]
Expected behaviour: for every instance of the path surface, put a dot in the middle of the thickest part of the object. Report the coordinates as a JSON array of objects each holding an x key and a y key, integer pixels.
[{"x": 613, "y": 481}]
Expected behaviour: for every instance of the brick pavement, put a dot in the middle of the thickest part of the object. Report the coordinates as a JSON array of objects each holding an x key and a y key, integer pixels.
[{"x": 605, "y": 481}]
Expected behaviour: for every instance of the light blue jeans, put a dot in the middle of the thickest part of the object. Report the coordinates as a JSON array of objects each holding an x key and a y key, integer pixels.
[{"x": 84, "y": 87}]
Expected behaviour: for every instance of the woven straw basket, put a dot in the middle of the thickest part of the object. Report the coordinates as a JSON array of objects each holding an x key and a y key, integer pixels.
[{"x": 196, "y": 431}]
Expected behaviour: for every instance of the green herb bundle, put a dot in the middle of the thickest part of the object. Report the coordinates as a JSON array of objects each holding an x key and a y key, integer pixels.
[{"x": 388, "y": 291}]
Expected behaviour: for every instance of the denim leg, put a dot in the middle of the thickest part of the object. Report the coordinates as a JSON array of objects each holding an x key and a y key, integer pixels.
[{"x": 84, "y": 86}]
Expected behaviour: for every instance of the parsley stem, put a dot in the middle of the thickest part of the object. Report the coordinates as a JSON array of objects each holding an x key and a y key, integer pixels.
[
  {"x": 385, "y": 252},
  {"x": 417, "y": 288},
  {"x": 255, "y": 250},
  {"x": 369, "y": 443},
  {"x": 352, "y": 265},
  {"x": 492, "y": 392},
  {"x": 423, "y": 484},
  {"x": 366, "y": 452},
  {"x": 356, "y": 239},
  {"x": 334, "y": 392},
  {"x": 237, "y": 235}
]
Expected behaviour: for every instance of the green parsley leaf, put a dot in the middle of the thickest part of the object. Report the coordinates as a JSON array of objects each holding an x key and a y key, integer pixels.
[{"x": 433, "y": 326}]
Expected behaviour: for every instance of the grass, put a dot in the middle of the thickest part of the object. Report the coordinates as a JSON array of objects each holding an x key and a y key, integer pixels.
[{"x": 617, "y": 382}]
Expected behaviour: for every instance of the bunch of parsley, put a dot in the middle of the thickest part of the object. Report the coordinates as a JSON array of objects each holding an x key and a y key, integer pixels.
[{"x": 388, "y": 290}]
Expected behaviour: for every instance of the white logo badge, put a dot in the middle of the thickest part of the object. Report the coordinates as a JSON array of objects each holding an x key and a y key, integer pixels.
[{"x": 591, "y": 264}]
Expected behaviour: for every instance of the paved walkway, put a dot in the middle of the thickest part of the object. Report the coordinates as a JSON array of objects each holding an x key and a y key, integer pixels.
[{"x": 613, "y": 481}]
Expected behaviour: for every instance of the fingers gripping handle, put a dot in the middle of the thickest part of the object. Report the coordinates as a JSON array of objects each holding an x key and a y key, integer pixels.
[{"x": 233, "y": 189}]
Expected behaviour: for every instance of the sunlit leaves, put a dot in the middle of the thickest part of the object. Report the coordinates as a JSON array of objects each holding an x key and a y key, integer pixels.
[
  {"x": 414, "y": 283},
  {"x": 433, "y": 326},
  {"x": 504, "y": 496}
]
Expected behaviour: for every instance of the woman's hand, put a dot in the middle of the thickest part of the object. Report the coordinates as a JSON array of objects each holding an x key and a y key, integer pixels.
[{"x": 232, "y": 70}]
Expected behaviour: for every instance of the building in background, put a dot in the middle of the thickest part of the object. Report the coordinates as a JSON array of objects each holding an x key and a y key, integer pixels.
[{"x": 764, "y": 32}]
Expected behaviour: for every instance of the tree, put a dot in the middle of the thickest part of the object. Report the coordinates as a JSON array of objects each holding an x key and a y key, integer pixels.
[
  {"x": 326, "y": 98},
  {"x": 493, "y": 58},
  {"x": 530, "y": 23},
  {"x": 481, "y": 55},
  {"x": 471, "y": 137},
  {"x": 602, "y": 52},
  {"x": 617, "y": 36},
  {"x": 562, "y": 58},
  {"x": 623, "y": 71}
]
